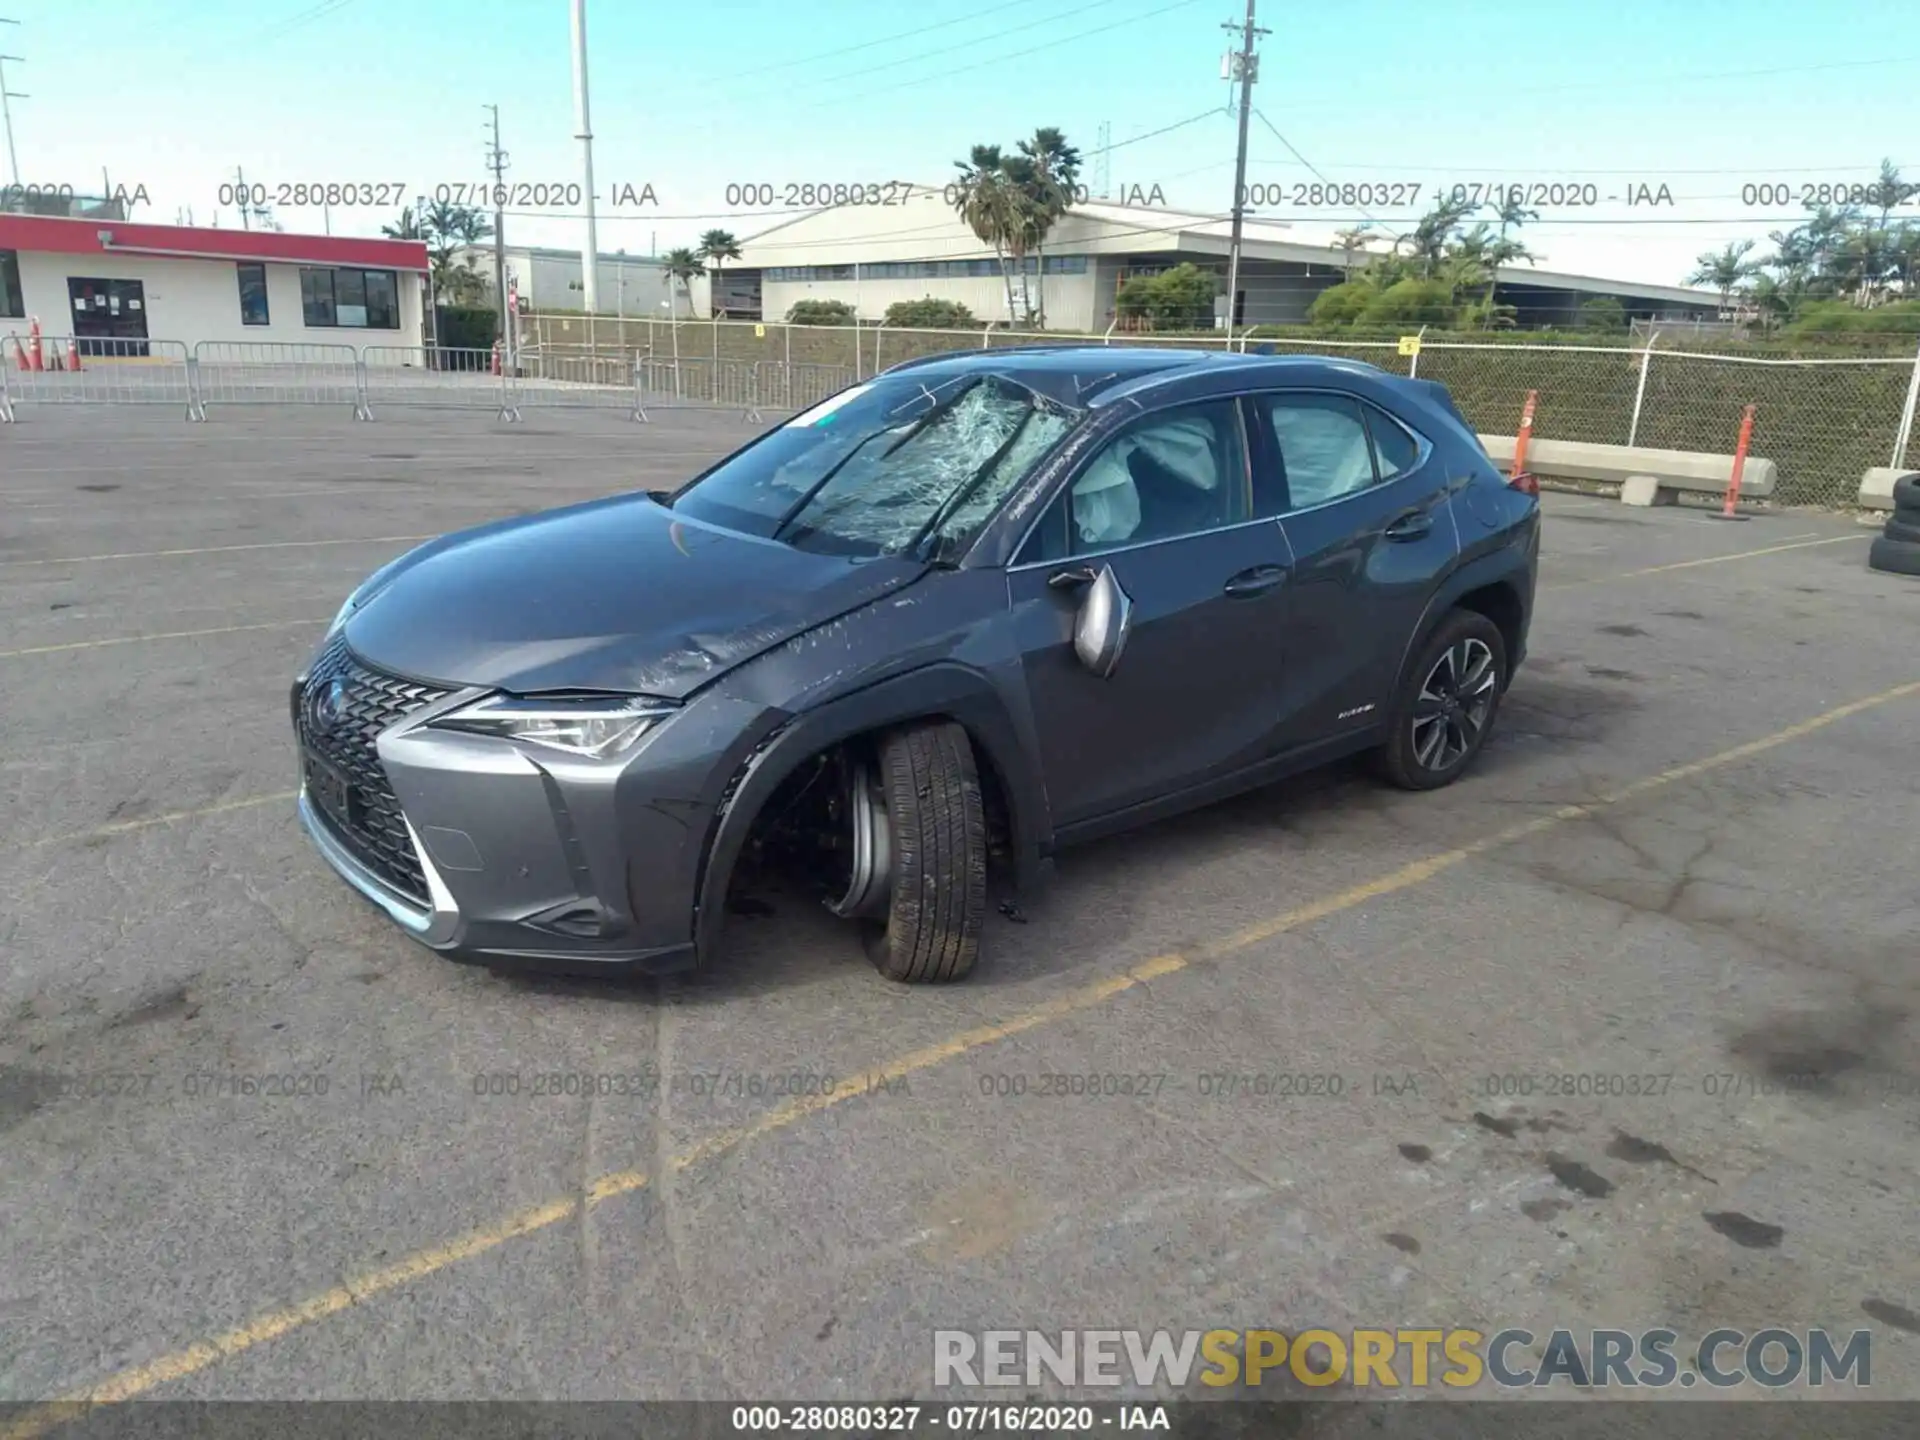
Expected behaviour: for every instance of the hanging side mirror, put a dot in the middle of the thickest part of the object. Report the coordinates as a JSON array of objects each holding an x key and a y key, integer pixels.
[{"x": 1100, "y": 629}]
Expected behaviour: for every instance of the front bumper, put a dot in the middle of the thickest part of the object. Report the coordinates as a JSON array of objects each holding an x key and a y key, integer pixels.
[{"x": 547, "y": 865}]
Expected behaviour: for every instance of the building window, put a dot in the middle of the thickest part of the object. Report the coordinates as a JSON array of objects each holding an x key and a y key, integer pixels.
[
  {"x": 13, "y": 305},
  {"x": 253, "y": 294},
  {"x": 350, "y": 299}
]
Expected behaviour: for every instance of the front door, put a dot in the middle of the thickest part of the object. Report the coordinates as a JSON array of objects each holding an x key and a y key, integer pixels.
[
  {"x": 1366, "y": 514},
  {"x": 1166, "y": 504},
  {"x": 109, "y": 316}
]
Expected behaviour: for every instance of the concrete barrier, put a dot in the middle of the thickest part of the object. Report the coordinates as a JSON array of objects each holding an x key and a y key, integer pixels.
[
  {"x": 1876, "y": 487},
  {"x": 1675, "y": 470}
]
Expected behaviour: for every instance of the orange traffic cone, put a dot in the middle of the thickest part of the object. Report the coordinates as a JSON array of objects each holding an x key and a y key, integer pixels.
[
  {"x": 73, "y": 353},
  {"x": 33, "y": 343}
]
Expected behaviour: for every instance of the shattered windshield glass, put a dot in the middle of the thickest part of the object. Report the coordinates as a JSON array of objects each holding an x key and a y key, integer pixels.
[{"x": 886, "y": 467}]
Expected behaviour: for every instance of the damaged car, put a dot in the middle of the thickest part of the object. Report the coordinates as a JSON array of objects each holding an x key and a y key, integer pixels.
[{"x": 934, "y": 629}]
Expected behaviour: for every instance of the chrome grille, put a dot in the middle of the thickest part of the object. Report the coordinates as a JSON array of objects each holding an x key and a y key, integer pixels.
[{"x": 373, "y": 829}]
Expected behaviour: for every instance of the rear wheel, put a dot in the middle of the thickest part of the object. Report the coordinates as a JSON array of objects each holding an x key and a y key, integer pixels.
[
  {"x": 918, "y": 878},
  {"x": 1447, "y": 703}
]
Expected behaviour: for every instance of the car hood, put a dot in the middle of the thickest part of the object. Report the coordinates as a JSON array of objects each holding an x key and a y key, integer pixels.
[{"x": 617, "y": 594}]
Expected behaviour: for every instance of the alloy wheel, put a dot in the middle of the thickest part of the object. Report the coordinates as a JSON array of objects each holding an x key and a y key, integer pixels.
[{"x": 1453, "y": 705}]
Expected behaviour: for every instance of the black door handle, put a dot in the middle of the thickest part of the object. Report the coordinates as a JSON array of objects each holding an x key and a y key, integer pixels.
[
  {"x": 1257, "y": 581},
  {"x": 1071, "y": 579},
  {"x": 1414, "y": 525}
]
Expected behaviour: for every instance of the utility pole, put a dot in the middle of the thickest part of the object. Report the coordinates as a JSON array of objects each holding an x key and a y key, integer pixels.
[
  {"x": 6, "y": 111},
  {"x": 1242, "y": 65},
  {"x": 1103, "y": 162},
  {"x": 497, "y": 162},
  {"x": 246, "y": 197},
  {"x": 590, "y": 258}
]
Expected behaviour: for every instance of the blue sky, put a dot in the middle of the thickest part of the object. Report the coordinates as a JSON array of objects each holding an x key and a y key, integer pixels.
[{"x": 1613, "y": 93}]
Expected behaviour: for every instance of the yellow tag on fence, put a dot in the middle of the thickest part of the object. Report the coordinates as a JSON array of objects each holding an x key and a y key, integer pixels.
[
  {"x": 1409, "y": 344},
  {"x": 759, "y": 332}
]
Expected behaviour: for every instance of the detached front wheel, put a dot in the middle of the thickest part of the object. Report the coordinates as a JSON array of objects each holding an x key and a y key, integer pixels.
[
  {"x": 1447, "y": 703},
  {"x": 918, "y": 882}
]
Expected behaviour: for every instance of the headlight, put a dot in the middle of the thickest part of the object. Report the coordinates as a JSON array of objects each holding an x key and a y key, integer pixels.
[{"x": 596, "y": 726}]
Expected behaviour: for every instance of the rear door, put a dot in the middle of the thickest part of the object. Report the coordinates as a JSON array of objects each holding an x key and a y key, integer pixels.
[
  {"x": 1166, "y": 504},
  {"x": 1364, "y": 506}
]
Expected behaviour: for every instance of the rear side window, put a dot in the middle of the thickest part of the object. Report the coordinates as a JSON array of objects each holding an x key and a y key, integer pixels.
[
  {"x": 1394, "y": 448},
  {"x": 1325, "y": 452}
]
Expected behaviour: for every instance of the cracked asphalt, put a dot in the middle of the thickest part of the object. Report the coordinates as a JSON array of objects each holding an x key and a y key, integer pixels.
[{"x": 1620, "y": 1030}]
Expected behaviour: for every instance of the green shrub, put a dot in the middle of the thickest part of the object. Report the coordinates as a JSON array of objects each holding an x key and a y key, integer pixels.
[
  {"x": 1341, "y": 305},
  {"x": 1180, "y": 298},
  {"x": 1409, "y": 302},
  {"x": 820, "y": 312},
  {"x": 1603, "y": 315},
  {"x": 927, "y": 313}
]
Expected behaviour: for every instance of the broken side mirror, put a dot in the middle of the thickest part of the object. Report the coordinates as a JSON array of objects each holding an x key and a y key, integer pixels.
[{"x": 1100, "y": 629}]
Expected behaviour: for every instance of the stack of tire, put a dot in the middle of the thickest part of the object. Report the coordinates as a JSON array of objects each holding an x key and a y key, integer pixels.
[{"x": 1898, "y": 548}]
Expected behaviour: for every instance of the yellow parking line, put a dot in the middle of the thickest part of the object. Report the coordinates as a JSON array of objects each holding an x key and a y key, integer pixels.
[
  {"x": 1710, "y": 560},
  {"x": 163, "y": 635},
  {"x": 214, "y": 550},
  {"x": 138, "y": 1380}
]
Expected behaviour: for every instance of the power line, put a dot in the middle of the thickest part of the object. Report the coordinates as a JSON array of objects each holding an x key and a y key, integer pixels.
[
  {"x": 298, "y": 21},
  {"x": 1001, "y": 60},
  {"x": 871, "y": 44},
  {"x": 990, "y": 39}
]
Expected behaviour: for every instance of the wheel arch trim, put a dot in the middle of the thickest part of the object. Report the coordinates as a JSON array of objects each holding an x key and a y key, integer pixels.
[
  {"x": 1499, "y": 568},
  {"x": 945, "y": 690}
]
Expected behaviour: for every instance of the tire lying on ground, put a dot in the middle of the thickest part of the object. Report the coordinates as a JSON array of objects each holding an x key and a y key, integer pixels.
[
  {"x": 1896, "y": 557},
  {"x": 937, "y": 833},
  {"x": 1906, "y": 493},
  {"x": 1905, "y": 526}
]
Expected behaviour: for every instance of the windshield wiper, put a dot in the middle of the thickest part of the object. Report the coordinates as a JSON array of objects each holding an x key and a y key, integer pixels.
[
  {"x": 813, "y": 491},
  {"x": 933, "y": 413},
  {"x": 951, "y": 506}
]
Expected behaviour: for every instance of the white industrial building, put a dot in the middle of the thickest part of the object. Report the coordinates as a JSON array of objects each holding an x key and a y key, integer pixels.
[
  {"x": 548, "y": 279},
  {"x": 118, "y": 284},
  {"x": 873, "y": 255}
]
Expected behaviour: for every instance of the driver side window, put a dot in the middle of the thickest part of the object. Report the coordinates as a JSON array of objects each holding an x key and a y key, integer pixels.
[{"x": 1180, "y": 472}]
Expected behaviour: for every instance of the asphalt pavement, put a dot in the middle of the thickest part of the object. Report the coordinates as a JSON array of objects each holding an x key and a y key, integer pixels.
[{"x": 1620, "y": 1030}]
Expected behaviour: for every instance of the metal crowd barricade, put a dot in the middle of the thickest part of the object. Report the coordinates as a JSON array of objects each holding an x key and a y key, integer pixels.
[
  {"x": 785, "y": 386},
  {"x": 94, "y": 370},
  {"x": 546, "y": 379},
  {"x": 270, "y": 372},
  {"x": 698, "y": 384},
  {"x": 445, "y": 377}
]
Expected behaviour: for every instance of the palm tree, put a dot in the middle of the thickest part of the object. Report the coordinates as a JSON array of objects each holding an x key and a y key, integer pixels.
[
  {"x": 1426, "y": 244},
  {"x": 1350, "y": 241},
  {"x": 987, "y": 203},
  {"x": 717, "y": 247},
  {"x": 1056, "y": 168},
  {"x": 1503, "y": 248},
  {"x": 682, "y": 264},
  {"x": 1887, "y": 192},
  {"x": 407, "y": 227},
  {"x": 1726, "y": 270}
]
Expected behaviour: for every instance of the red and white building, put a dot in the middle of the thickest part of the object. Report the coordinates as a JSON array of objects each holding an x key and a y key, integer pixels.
[{"x": 116, "y": 280}]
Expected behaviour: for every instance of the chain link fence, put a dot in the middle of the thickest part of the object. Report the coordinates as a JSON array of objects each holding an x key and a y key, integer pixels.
[{"x": 1822, "y": 422}]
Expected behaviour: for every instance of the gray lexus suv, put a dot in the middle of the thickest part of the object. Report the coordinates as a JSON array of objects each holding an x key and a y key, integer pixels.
[{"x": 944, "y": 623}]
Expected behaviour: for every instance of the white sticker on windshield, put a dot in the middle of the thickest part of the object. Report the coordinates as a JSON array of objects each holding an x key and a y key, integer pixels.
[{"x": 825, "y": 408}]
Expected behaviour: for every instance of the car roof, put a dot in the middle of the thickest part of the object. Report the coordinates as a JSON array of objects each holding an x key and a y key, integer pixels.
[{"x": 1111, "y": 373}]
